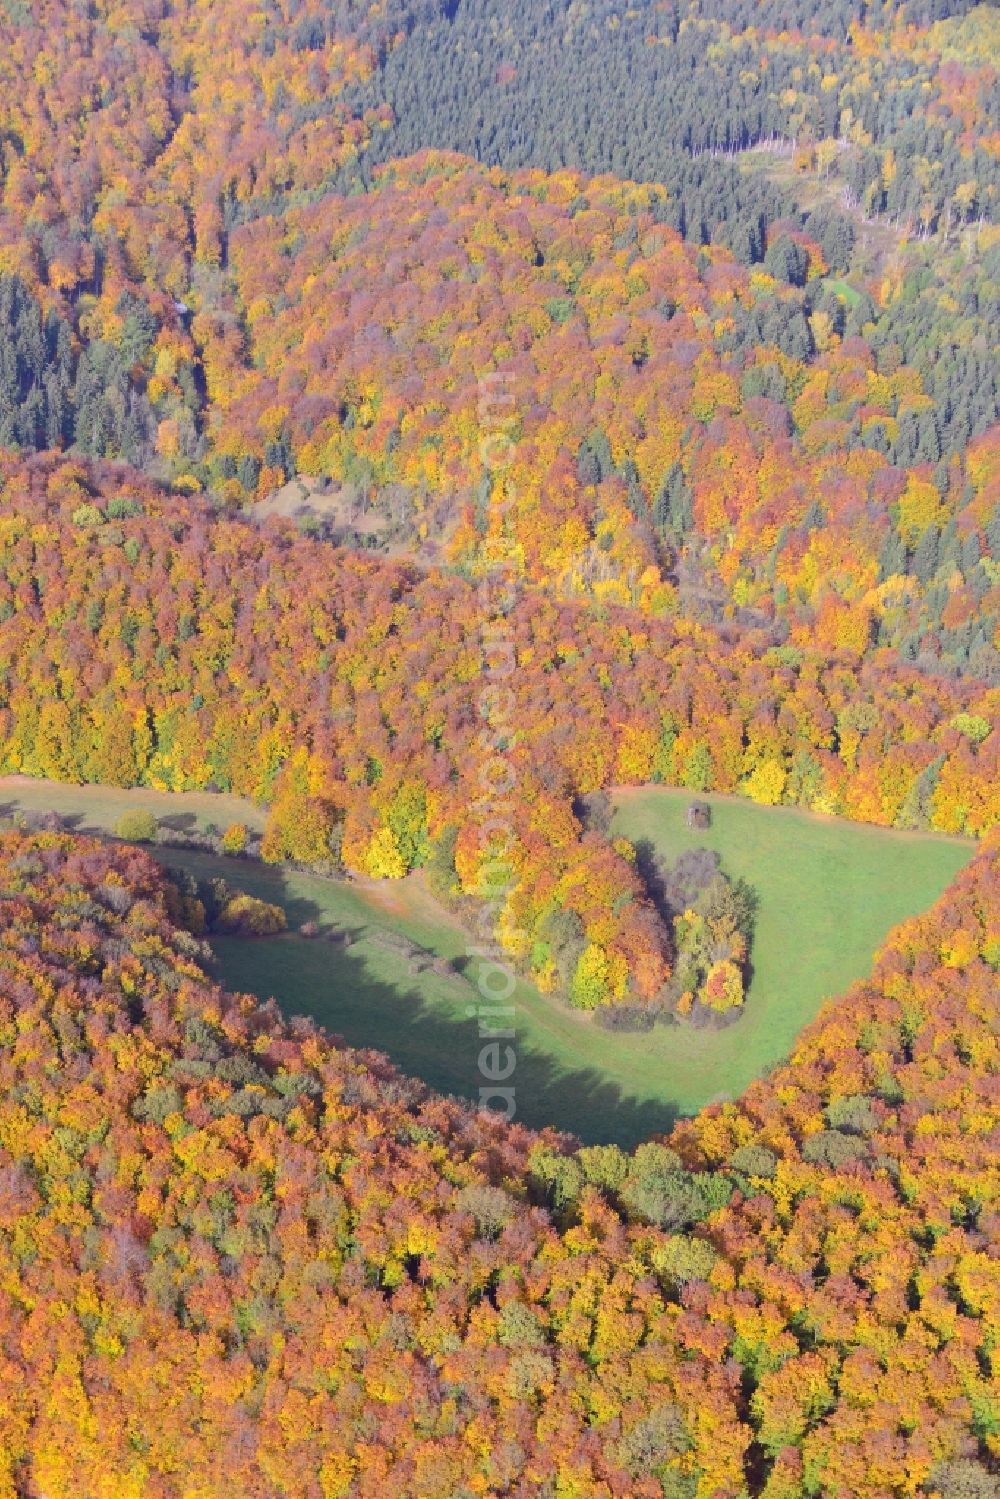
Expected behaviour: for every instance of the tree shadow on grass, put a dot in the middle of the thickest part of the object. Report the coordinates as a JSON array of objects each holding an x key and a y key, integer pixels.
[
  {"x": 336, "y": 986},
  {"x": 179, "y": 822},
  {"x": 333, "y": 983}
]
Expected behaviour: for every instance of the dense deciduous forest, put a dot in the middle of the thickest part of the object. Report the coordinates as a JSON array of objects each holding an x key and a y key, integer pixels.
[
  {"x": 762, "y": 437},
  {"x": 243, "y": 1259},
  {"x": 682, "y": 428}
]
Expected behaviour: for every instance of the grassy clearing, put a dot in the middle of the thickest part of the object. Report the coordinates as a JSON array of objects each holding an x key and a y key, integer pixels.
[
  {"x": 844, "y": 289},
  {"x": 829, "y": 890},
  {"x": 96, "y": 809},
  {"x": 569, "y": 1072},
  {"x": 877, "y": 239}
]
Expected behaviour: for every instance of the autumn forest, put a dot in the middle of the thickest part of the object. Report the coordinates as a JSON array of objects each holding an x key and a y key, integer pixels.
[{"x": 428, "y": 426}]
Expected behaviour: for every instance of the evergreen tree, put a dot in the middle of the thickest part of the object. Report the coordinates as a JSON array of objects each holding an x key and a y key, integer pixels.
[{"x": 925, "y": 556}]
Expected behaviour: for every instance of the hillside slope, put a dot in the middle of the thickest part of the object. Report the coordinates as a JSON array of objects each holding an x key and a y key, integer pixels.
[
  {"x": 239, "y": 245},
  {"x": 235, "y": 1258}
]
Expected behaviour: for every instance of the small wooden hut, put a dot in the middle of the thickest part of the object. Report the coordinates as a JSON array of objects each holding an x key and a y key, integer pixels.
[{"x": 699, "y": 815}]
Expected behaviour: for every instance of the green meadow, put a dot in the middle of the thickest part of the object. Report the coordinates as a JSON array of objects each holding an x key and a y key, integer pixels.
[{"x": 829, "y": 892}]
